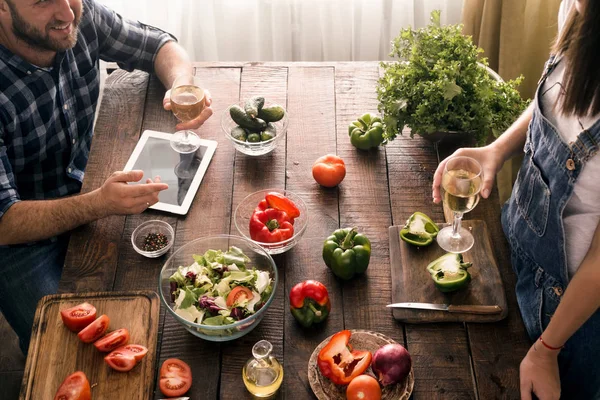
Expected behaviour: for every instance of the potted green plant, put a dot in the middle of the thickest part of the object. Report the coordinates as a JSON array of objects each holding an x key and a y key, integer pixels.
[{"x": 439, "y": 85}]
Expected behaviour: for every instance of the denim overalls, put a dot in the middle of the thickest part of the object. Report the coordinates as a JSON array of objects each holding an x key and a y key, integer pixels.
[{"x": 532, "y": 223}]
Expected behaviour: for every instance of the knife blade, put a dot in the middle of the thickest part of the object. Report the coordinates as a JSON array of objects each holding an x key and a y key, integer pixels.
[
  {"x": 469, "y": 309},
  {"x": 176, "y": 398}
]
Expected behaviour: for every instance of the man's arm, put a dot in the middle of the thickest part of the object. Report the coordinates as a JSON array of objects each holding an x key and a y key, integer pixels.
[
  {"x": 28, "y": 221},
  {"x": 171, "y": 61}
]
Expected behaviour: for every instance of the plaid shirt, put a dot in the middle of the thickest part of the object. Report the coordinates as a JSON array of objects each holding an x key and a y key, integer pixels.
[{"x": 47, "y": 114}]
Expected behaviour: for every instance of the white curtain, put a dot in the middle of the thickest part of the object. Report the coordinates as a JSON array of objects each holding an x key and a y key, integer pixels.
[{"x": 286, "y": 30}]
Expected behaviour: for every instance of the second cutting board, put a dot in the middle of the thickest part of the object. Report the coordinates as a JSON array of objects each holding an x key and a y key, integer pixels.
[
  {"x": 412, "y": 283},
  {"x": 55, "y": 352}
]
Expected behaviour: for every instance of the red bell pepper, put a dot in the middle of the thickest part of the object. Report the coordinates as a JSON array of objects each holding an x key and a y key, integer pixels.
[
  {"x": 339, "y": 363},
  {"x": 309, "y": 302},
  {"x": 270, "y": 226},
  {"x": 262, "y": 206},
  {"x": 280, "y": 202}
]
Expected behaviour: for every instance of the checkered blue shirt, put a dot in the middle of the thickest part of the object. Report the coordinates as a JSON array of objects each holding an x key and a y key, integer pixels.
[{"x": 47, "y": 114}]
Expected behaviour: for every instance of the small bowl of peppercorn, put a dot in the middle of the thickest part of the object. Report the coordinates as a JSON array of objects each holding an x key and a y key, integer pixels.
[{"x": 152, "y": 238}]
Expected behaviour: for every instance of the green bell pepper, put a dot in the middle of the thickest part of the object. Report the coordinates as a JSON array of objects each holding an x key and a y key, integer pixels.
[
  {"x": 449, "y": 272},
  {"x": 366, "y": 132},
  {"x": 347, "y": 252},
  {"x": 419, "y": 230}
]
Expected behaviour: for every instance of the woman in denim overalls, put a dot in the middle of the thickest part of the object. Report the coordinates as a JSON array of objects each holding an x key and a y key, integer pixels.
[{"x": 565, "y": 355}]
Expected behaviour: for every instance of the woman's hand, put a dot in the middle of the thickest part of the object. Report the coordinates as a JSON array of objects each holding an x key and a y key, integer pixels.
[
  {"x": 196, "y": 123},
  {"x": 539, "y": 374},
  {"x": 491, "y": 160}
]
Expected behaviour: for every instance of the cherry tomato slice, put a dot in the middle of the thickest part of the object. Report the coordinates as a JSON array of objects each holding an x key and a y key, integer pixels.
[
  {"x": 175, "y": 378},
  {"x": 280, "y": 202},
  {"x": 111, "y": 341},
  {"x": 95, "y": 330},
  {"x": 138, "y": 351},
  {"x": 120, "y": 361},
  {"x": 75, "y": 387},
  {"x": 238, "y": 294},
  {"x": 78, "y": 317}
]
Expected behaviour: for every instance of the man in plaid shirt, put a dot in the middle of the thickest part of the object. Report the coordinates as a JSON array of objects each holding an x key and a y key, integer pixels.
[{"x": 49, "y": 87}]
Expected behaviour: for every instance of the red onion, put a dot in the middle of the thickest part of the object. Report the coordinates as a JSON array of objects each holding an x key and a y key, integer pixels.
[{"x": 391, "y": 363}]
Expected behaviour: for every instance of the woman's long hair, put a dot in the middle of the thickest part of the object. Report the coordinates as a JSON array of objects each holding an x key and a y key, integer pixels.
[{"x": 579, "y": 41}]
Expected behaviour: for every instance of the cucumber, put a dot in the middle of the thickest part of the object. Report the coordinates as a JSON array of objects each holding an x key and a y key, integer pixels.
[
  {"x": 272, "y": 113},
  {"x": 253, "y": 106},
  {"x": 239, "y": 133},
  {"x": 240, "y": 117},
  {"x": 269, "y": 133},
  {"x": 254, "y": 138}
]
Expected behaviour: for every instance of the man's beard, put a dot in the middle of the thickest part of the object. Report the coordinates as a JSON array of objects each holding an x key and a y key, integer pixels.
[{"x": 42, "y": 40}]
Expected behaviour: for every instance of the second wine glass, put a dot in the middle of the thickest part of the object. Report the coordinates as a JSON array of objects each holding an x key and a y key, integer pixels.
[
  {"x": 461, "y": 184},
  {"x": 187, "y": 103}
]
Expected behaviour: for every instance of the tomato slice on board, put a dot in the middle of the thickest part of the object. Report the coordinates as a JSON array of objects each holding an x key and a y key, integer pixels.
[
  {"x": 280, "y": 202},
  {"x": 78, "y": 317},
  {"x": 238, "y": 294},
  {"x": 95, "y": 330},
  {"x": 75, "y": 387},
  {"x": 175, "y": 378},
  {"x": 120, "y": 361},
  {"x": 138, "y": 351},
  {"x": 111, "y": 341}
]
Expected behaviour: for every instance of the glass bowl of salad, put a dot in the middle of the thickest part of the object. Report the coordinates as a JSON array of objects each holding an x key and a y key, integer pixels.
[
  {"x": 275, "y": 219},
  {"x": 218, "y": 287}
]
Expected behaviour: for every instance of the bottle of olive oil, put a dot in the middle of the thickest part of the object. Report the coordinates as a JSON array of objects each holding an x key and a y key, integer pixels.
[{"x": 262, "y": 374}]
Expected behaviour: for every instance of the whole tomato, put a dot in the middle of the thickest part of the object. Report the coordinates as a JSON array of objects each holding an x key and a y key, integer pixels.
[
  {"x": 329, "y": 170},
  {"x": 363, "y": 387}
]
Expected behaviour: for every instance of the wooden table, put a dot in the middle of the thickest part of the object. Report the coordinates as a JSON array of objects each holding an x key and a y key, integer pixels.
[{"x": 382, "y": 188}]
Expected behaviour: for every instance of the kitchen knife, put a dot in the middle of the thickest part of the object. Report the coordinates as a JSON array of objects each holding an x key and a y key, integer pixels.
[{"x": 468, "y": 309}]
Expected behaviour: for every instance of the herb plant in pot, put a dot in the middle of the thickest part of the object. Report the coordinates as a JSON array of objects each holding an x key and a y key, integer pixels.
[{"x": 439, "y": 87}]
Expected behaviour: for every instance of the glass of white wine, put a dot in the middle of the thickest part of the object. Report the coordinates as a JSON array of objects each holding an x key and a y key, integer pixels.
[
  {"x": 461, "y": 184},
  {"x": 187, "y": 103}
]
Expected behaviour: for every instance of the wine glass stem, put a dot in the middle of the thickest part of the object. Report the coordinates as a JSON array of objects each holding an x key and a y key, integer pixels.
[{"x": 456, "y": 225}]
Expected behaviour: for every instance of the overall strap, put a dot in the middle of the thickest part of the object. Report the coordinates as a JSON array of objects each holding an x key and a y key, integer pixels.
[{"x": 587, "y": 143}]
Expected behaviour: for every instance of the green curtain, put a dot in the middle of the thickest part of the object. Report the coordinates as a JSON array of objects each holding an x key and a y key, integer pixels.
[{"x": 516, "y": 36}]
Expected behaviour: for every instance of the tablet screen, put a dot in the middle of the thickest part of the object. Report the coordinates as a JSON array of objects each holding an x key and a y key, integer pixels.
[{"x": 182, "y": 172}]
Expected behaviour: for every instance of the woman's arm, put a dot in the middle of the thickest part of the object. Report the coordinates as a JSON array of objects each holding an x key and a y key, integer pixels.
[{"x": 539, "y": 369}]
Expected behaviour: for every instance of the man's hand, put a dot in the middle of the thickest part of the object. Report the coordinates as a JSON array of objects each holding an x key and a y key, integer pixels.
[
  {"x": 195, "y": 123},
  {"x": 539, "y": 374},
  {"x": 117, "y": 197}
]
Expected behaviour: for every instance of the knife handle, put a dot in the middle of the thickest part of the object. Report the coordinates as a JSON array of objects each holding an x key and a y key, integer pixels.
[{"x": 472, "y": 309}]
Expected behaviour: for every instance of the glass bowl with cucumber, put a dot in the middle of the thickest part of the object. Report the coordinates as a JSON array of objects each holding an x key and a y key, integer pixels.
[{"x": 254, "y": 126}]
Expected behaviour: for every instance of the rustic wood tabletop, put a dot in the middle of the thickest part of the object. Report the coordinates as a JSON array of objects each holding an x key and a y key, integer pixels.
[{"x": 382, "y": 188}]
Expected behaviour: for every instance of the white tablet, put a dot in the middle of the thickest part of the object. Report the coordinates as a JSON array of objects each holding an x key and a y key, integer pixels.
[{"x": 183, "y": 173}]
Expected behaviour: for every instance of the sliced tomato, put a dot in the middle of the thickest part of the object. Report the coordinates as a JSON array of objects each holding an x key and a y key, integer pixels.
[
  {"x": 75, "y": 387},
  {"x": 137, "y": 350},
  {"x": 111, "y": 341},
  {"x": 238, "y": 294},
  {"x": 175, "y": 378},
  {"x": 78, "y": 317},
  {"x": 280, "y": 202},
  {"x": 120, "y": 361},
  {"x": 95, "y": 330}
]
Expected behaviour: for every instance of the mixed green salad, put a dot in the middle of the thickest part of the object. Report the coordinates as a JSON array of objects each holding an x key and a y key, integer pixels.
[{"x": 219, "y": 288}]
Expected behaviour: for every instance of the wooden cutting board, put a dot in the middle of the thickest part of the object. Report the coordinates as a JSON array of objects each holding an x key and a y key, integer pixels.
[
  {"x": 412, "y": 283},
  {"x": 55, "y": 352}
]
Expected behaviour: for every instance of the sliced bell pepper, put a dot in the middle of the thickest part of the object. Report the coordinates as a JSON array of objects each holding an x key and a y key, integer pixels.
[
  {"x": 449, "y": 272},
  {"x": 347, "y": 252},
  {"x": 339, "y": 363},
  {"x": 309, "y": 303},
  {"x": 280, "y": 202},
  {"x": 366, "y": 132},
  {"x": 270, "y": 226},
  {"x": 419, "y": 230}
]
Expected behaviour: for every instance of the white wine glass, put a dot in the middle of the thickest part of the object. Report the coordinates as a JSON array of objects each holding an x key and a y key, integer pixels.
[
  {"x": 461, "y": 184},
  {"x": 187, "y": 103}
]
